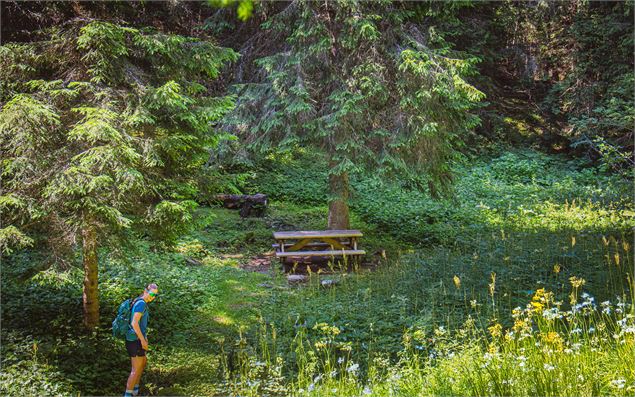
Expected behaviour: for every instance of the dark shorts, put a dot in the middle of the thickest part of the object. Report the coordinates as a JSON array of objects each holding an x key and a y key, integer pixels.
[{"x": 134, "y": 348}]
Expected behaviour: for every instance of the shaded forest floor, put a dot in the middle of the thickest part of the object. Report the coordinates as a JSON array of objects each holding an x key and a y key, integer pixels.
[{"x": 230, "y": 323}]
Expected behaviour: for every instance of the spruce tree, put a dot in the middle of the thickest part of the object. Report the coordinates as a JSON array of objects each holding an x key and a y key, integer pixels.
[
  {"x": 103, "y": 128},
  {"x": 371, "y": 84}
]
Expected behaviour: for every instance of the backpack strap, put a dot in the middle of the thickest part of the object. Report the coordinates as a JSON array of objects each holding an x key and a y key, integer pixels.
[{"x": 134, "y": 302}]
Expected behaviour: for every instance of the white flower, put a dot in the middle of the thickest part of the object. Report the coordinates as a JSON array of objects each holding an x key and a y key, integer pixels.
[
  {"x": 366, "y": 390},
  {"x": 549, "y": 367},
  {"x": 352, "y": 368},
  {"x": 551, "y": 314},
  {"x": 317, "y": 379},
  {"x": 575, "y": 331},
  {"x": 619, "y": 383},
  {"x": 333, "y": 373},
  {"x": 591, "y": 330},
  {"x": 340, "y": 360},
  {"x": 568, "y": 351},
  {"x": 311, "y": 387},
  {"x": 622, "y": 322}
]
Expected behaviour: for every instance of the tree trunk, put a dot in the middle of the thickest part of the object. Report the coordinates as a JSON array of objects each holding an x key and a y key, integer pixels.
[
  {"x": 91, "y": 293},
  {"x": 338, "y": 207}
]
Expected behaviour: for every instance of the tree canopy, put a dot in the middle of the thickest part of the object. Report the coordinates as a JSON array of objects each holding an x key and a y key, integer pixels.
[{"x": 105, "y": 128}]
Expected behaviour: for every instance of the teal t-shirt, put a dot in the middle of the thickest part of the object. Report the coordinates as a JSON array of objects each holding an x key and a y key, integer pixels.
[{"x": 139, "y": 307}]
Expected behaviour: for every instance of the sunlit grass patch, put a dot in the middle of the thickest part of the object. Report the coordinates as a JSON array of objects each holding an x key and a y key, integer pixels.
[{"x": 587, "y": 350}]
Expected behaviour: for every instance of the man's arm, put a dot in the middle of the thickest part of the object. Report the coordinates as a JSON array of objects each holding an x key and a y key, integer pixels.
[{"x": 135, "y": 326}]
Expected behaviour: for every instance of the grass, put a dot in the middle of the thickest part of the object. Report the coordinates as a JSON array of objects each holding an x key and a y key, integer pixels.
[{"x": 434, "y": 318}]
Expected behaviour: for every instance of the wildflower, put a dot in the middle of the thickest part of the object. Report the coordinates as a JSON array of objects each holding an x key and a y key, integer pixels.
[
  {"x": 440, "y": 331},
  {"x": 575, "y": 331},
  {"x": 317, "y": 378},
  {"x": 311, "y": 387},
  {"x": 457, "y": 282},
  {"x": 622, "y": 322},
  {"x": 577, "y": 282},
  {"x": 554, "y": 339},
  {"x": 495, "y": 330},
  {"x": 619, "y": 383},
  {"x": 473, "y": 303},
  {"x": 591, "y": 330},
  {"x": 629, "y": 330},
  {"x": 340, "y": 360},
  {"x": 352, "y": 368},
  {"x": 552, "y": 314},
  {"x": 333, "y": 373},
  {"x": 568, "y": 351},
  {"x": 549, "y": 367},
  {"x": 367, "y": 390}
]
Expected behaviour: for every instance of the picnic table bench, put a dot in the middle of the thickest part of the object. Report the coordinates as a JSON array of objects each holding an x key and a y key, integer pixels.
[{"x": 317, "y": 243}]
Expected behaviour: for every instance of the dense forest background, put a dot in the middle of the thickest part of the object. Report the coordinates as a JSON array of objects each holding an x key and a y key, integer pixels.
[{"x": 485, "y": 149}]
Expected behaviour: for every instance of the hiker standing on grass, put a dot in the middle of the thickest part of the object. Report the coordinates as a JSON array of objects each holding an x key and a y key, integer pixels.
[{"x": 137, "y": 340}]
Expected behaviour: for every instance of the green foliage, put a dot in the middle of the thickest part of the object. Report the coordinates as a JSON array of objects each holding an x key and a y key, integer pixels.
[
  {"x": 518, "y": 190},
  {"x": 373, "y": 95},
  {"x": 123, "y": 148}
]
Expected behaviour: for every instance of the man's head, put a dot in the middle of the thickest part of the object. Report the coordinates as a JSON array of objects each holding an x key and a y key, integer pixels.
[{"x": 151, "y": 292}]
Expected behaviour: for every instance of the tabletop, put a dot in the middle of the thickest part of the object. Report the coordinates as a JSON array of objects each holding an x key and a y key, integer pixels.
[{"x": 317, "y": 234}]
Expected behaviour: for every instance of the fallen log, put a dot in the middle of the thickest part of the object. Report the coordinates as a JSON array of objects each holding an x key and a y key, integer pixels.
[{"x": 249, "y": 205}]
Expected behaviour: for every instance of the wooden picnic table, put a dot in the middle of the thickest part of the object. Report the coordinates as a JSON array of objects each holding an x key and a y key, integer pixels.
[{"x": 325, "y": 243}]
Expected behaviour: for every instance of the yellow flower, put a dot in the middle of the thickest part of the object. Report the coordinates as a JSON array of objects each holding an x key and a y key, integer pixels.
[
  {"x": 457, "y": 282},
  {"x": 495, "y": 330},
  {"x": 320, "y": 345},
  {"x": 576, "y": 282},
  {"x": 520, "y": 325},
  {"x": 556, "y": 268},
  {"x": 554, "y": 339}
]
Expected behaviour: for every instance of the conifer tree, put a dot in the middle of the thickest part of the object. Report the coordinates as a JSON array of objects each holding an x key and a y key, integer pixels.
[
  {"x": 367, "y": 83},
  {"x": 103, "y": 128}
]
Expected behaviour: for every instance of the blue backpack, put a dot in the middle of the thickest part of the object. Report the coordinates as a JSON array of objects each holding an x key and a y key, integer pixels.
[{"x": 122, "y": 323}]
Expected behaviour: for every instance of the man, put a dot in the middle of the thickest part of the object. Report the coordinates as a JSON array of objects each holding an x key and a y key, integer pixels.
[{"x": 137, "y": 340}]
